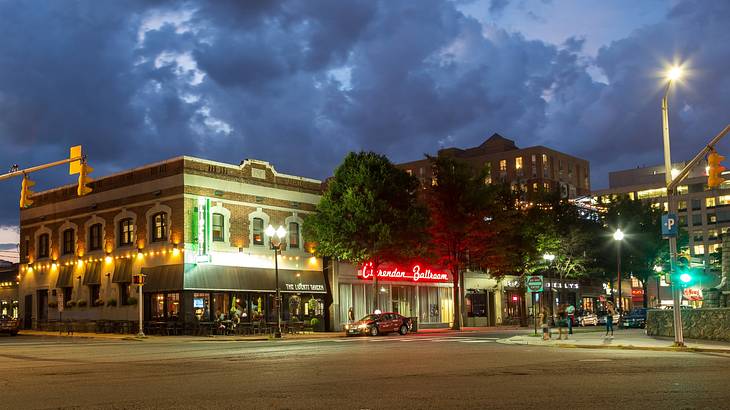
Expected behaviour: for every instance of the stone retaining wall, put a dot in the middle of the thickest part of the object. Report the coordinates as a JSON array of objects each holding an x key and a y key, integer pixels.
[{"x": 711, "y": 324}]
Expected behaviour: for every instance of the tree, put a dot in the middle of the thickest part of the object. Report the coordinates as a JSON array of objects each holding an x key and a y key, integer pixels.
[
  {"x": 369, "y": 212},
  {"x": 462, "y": 223}
]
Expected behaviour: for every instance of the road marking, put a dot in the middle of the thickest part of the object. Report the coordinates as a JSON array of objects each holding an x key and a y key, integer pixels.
[{"x": 596, "y": 360}]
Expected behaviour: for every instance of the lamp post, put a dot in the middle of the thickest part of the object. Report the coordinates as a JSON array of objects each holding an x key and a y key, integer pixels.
[
  {"x": 618, "y": 236},
  {"x": 549, "y": 258},
  {"x": 275, "y": 237},
  {"x": 672, "y": 75},
  {"x": 658, "y": 270}
]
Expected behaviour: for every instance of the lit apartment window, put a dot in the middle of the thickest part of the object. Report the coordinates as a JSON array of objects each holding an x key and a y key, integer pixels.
[
  {"x": 710, "y": 202},
  {"x": 258, "y": 231},
  {"x": 503, "y": 165},
  {"x": 409, "y": 171},
  {"x": 535, "y": 186},
  {"x": 126, "y": 232},
  {"x": 712, "y": 248},
  {"x": 723, "y": 200},
  {"x": 518, "y": 166},
  {"x": 487, "y": 172},
  {"x": 159, "y": 227},
  {"x": 712, "y": 234},
  {"x": 682, "y": 205},
  {"x": 699, "y": 249},
  {"x": 546, "y": 185},
  {"x": 545, "y": 166}
]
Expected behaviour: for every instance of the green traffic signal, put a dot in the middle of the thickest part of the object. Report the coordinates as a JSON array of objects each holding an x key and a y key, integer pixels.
[{"x": 685, "y": 278}]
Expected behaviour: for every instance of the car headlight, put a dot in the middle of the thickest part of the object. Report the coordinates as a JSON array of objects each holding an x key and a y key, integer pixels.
[
  {"x": 363, "y": 326},
  {"x": 347, "y": 327}
]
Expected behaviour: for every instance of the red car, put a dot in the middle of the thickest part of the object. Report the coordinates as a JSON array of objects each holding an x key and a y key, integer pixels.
[{"x": 379, "y": 323}]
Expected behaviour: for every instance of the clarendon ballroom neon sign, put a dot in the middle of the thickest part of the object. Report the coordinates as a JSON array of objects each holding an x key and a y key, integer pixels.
[{"x": 414, "y": 274}]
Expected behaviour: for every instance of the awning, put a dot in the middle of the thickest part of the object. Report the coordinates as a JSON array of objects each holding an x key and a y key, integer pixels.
[
  {"x": 65, "y": 277},
  {"x": 230, "y": 278},
  {"x": 92, "y": 274},
  {"x": 123, "y": 271}
]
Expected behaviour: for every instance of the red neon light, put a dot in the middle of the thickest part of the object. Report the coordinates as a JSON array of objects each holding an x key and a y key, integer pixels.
[{"x": 415, "y": 274}]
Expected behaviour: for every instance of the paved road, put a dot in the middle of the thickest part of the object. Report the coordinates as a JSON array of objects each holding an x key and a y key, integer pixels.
[{"x": 417, "y": 371}]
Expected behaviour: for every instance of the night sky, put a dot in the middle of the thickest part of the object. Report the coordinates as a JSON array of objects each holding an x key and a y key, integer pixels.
[{"x": 300, "y": 83}]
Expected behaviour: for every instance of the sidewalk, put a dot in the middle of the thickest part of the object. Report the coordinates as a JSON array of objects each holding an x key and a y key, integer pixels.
[{"x": 633, "y": 339}]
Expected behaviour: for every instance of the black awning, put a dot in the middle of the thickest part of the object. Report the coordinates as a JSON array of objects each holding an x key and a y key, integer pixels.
[
  {"x": 123, "y": 271},
  {"x": 65, "y": 276},
  {"x": 163, "y": 278},
  {"x": 232, "y": 278},
  {"x": 92, "y": 274}
]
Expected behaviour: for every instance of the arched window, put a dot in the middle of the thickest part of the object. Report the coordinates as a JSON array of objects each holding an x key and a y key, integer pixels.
[
  {"x": 293, "y": 235},
  {"x": 68, "y": 241},
  {"x": 159, "y": 227},
  {"x": 95, "y": 237},
  {"x": 43, "y": 245},
  {"x": 258, "y": 231},
  {"x": 218, "y": 230},
  {"x": 126, "y": 232}
]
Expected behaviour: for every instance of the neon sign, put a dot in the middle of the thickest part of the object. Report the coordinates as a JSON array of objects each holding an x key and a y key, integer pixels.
[{"x": 415, "y": 274}]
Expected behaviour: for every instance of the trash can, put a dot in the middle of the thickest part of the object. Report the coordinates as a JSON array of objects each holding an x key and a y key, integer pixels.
[{"x": 414, "y": 324}]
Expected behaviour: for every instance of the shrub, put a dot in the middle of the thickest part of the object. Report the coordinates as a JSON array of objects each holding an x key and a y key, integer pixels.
[
  {"x": 99, "y": 302},
  {"x": 131, "y": 300},
  {"x": 81, "y": 303},
  {"x": 314, "y": 322},
  {"x": 70, "y": 303},
  {"x": 111, "y": 302}
]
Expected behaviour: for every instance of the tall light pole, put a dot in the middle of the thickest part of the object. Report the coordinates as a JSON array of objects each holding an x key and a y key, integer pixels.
[
  {"x": 275, "y": 237},
  {"x": 549, "y": 258},
  {"x": 618, "y": 236},
  {"x": 672, "y": 75}
]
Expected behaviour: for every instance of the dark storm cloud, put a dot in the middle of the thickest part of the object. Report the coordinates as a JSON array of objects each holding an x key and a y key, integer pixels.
[{"x": 299, "y": 83}]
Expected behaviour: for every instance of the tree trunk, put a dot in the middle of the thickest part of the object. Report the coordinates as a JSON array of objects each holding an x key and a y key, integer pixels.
[
  {"x": 457, "y": 300},
  {"x": 326, "y": 270},
  {"x": 645, "y": 286}
]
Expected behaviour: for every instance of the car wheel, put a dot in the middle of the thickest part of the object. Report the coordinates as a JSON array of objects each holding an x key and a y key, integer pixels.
[
  {"x": 403, "y": 330},
  {"x": 374, "y": 331}
]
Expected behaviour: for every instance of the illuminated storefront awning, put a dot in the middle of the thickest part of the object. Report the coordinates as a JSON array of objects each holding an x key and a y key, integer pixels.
[
  {"x": 65, "y": 277},
  {"x": 230, "y": 278},
  {"x": 92, "y": 274},
  {"x": 123, "y": 271}
]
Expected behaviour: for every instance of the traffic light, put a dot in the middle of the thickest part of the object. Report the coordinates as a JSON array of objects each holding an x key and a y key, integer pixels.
[
  {"x": 25, "y": 192},
  {"x": 683, "y": 273},
  {"x": 84, "y": 179},
  {"x": 714, "y": 169}
]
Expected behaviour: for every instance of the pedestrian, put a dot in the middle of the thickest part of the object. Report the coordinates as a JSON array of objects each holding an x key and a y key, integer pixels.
[
  {"x": 570, "y": 310},
  {"x": 562, "y": 322},
  {"x": 544, "y": 318},
  {"x": 609, "y": 318}
]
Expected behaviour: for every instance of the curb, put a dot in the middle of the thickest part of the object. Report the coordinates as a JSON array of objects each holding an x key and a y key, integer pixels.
[{"x": 617, "y": 347}]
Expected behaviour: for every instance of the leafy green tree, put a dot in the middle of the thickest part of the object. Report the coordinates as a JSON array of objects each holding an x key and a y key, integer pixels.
[{"x": 369, "y": 212}]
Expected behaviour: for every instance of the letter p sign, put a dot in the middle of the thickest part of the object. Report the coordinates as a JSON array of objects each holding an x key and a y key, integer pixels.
[{"x": 669, "y": 225}]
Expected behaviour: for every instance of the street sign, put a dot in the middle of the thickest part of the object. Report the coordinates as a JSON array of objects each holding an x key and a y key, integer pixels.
[
  {"x": 138, "y": 279},
  {"x": 534, "y": 283},
  {"x": 669, "y": 225},
  {"x": 60, "y": 301}
]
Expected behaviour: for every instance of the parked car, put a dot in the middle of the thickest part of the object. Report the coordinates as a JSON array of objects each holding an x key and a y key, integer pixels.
[
  {"x": 9, "y": 325},
  {"x": 379, "y": 323},
  {"x": 602, "y": 319},
  {"x": 588, "y": 319},
  {"x": 635, "y": 318}
]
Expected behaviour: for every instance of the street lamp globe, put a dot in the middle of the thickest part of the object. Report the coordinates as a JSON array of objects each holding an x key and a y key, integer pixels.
[
  {"x": 657, "y": 269},
  {"x": 674, "y": 73},
  {"x": 280, "y": 232},
  {"x": 618, "y": 235},
  {"x": 270, "y": 231}
]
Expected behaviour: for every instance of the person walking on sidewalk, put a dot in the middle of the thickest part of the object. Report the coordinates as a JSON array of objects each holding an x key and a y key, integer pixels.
[
  {"x": 544, "y": 322},
  {"x": 570, "y": 311},
  {"x": 609, "y": 318}
]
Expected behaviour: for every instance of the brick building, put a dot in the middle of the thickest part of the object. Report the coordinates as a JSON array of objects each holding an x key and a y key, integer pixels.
[
  {"x": 194, "y": 227},
  {"x": 8, "y": 289},
  {"x": 528, "y": 169}
]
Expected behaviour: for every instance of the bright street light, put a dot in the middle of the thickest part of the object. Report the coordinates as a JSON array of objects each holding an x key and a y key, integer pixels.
[
  {"x": 618, "y": 235},
  {"x": 548, "y": 257},
  {"x": 657, "y": 269},
  {"x": 674, "y": 73},
  {"x": 275, "y": 237}
]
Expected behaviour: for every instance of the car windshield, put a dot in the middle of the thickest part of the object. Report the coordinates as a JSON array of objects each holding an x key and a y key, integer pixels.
[{"x": 369, "y": 318}]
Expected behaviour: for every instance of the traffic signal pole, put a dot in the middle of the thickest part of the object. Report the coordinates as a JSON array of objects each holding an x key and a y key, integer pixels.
[
  {"x": 21, "y": 172},
  {"x": 672, "y": 184}
]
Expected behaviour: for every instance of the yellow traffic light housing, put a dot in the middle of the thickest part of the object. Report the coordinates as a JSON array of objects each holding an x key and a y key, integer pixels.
[
  {"x": 25, "y": 192},
  {"x": 84, "y": 179},
  {"x": 714, "y": 169}
]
